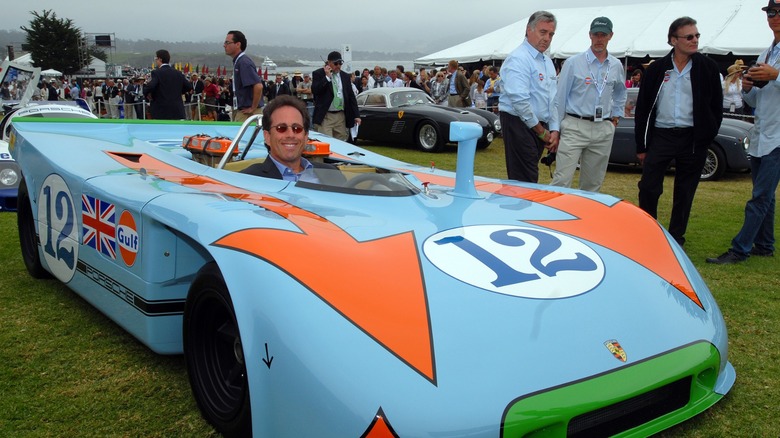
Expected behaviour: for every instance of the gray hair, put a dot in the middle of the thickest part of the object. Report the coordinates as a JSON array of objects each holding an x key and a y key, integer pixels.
[{"x": 541, "y": 16}]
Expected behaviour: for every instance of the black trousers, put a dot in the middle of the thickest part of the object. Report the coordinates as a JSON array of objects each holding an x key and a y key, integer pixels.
[
  {"x": 666, "y": 145},
  {"x": 522, "y": 149}
]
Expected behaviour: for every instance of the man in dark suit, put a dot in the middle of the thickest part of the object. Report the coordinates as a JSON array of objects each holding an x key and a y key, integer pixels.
[
  {"x": 279, "y": 87},
  {"x": 134, "y": 98},
  {"x": 165, "y": 89},
  {"x": 191, "y": 99},
  {"x": 335, "y": 105},
  {"x": 285, "y": 132}
]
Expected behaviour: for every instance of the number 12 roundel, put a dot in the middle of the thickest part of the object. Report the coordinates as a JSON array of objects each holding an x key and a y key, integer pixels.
[{"x": 518, "y": 261}]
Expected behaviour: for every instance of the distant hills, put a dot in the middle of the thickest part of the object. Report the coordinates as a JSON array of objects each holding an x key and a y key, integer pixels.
[{"x": 140, "y": 53}]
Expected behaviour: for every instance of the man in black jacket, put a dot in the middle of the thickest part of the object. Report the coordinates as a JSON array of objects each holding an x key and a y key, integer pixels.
[
  {"x": 678, "y": 114},
  {"x": 335, "y": 104},
  {"x": 165, "y": 89}
]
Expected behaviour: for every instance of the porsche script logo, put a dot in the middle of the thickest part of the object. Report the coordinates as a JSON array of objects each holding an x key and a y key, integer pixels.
[{"x": 614, "y": 347}]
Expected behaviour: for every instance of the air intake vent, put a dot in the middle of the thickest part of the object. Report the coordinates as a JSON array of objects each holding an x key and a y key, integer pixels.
[{"x": 633, "y": 412}]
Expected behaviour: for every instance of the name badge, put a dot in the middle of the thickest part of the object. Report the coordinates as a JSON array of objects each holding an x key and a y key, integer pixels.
[{"x": 598, "y": 115}]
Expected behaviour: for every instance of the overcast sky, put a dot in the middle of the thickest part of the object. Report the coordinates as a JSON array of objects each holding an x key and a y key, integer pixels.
[{"x": 365, "y": 24}]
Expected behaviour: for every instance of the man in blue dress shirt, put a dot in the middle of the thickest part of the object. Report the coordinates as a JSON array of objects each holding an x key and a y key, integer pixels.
[
  {"x": 591, "y": 96},
  {"x": 529, "y": 122},
  {"x": 678, "y": 113},
  {"x": 761, "y": 90}
]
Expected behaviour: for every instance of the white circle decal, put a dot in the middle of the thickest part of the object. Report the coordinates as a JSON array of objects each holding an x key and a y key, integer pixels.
[
  {"x": 58, "y": 227},
  {"x": 518, "y": 261}
]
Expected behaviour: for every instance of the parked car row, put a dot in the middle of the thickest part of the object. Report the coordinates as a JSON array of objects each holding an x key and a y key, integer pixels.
[{"x": 408, "y": 116}]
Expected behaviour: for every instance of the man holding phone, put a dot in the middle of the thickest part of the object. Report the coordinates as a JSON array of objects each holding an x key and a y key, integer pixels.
[
  {"x": 761, "y": 90},
  {"x": 335, "y": 105}
]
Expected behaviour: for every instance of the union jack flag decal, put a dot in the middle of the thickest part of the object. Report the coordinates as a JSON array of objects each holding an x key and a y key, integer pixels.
[{"x": 99, "y": 225}]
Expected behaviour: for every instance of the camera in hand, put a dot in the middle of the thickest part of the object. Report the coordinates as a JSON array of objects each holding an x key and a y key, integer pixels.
[
  {"x": 548, "y": 159},
  {"x": 758, "y": 84}
]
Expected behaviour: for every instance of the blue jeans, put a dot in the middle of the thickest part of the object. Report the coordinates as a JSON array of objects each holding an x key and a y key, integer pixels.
[{"x": 759, "y": 224}]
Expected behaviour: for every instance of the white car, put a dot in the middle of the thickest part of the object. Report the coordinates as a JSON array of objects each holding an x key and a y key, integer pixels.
[{"x": 23, "y": 79}]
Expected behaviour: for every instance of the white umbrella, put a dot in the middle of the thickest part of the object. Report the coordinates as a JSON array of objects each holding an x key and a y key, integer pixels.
[{"x": 51, "y": 72}]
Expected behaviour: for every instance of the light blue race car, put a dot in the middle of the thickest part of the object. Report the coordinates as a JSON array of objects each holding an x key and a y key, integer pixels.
[{"x": 386, "y": 299}]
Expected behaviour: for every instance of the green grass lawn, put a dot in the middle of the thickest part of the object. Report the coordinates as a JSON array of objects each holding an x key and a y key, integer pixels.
[{"x": 66, "y": 370}]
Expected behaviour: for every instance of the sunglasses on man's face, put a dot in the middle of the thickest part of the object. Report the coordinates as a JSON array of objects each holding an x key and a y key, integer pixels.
[
  {"x": 689, "y": 37},
  {"x": 339, "y": 62},
  {"x": 282, "y": 128},
  {"x": 771, "y": 13}
]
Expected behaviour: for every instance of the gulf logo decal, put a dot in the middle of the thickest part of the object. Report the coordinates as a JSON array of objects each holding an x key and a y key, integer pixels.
[
  {"x": 588, "y": 80},
  {"x": 127, "y": 237},
  {"x": 518, "y": 261}
]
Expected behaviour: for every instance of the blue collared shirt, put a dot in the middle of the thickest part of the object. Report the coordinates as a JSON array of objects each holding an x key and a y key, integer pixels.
[
  {"x": 289, "y": 175},
  {"x": 582, "y": 77},
  {"x": 528, "y": 87},
  {"x": 675, "y": 99},
  {"x": 453, "y": 88},
  {"x": 766, "y": 101}
]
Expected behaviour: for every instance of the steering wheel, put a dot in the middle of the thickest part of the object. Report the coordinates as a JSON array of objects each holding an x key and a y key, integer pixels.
[{"x": 375, "y": 179}]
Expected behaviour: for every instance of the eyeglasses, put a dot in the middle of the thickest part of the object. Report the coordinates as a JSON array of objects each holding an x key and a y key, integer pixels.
[
  {"x": 228, "y": 42},
  {"x": 338, "y": 62},
  {"x": 771, "y": 13},
  {"x": 282, "y": 128},
  {"x": 689, "y": 37}
]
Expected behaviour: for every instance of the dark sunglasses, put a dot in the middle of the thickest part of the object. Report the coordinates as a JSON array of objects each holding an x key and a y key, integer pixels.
[
  {"x": 771, "y": 13},
  {"x": 338, "y": 62},
  {"x": 282, "y": 128},
  {"x": 689, "y": 37}
]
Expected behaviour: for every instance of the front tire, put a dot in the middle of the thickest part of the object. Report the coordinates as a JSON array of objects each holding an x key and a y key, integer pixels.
[
  {"x": 714, "y": 165},
  {"x": 214, "y": 355},
  {"x": 429, "y": 138},
  {"x": 28, "y": 234}
]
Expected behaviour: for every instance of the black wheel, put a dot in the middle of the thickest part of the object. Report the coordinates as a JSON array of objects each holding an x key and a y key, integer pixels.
[
  {"x": 214, "y": 355},
  {"x": 714, "y": 165},
  {"x": 428, "y": 137},
  {"x": 482, "y": 144},
  {"x": 28, "y": 234}
]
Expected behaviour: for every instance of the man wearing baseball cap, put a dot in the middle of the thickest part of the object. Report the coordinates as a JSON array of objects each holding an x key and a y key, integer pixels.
[
  {"x": 590, "y": 98},
  {"x": 761, "y": 90},
  {"x": 335, "y": 104}
]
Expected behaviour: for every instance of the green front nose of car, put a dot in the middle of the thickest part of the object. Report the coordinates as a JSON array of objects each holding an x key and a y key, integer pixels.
[{"x": 639, "y": 399}]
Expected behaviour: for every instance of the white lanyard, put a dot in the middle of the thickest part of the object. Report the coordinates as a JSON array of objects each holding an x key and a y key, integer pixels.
[
  {"x": 235, "y": 97},
  {"x": 599, "y": 89}
]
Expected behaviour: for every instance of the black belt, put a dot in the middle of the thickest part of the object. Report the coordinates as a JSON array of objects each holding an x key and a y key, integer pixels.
[
  {"x": 676, "y": 129},
  {"x": 588, "y": 118},
  {"x": 337, "y": 111},
  {"x": 454, "y": 94}
]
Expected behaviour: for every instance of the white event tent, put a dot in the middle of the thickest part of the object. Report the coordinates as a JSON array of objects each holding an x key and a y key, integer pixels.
[
  {"x": 726, "y": 26},
  {"x": 95, "y": 64}
]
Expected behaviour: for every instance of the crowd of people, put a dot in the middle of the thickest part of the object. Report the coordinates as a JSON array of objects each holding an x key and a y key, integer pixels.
[
  {"x": 680, "y": 105},
  {"x": 571, "y": 111}
]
